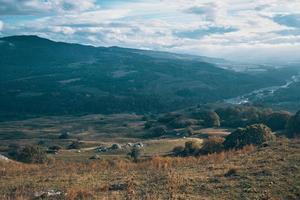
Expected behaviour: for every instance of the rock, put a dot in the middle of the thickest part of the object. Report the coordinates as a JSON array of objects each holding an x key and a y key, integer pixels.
[
  {"x": 101, "y": 149},
  {"x": 138, "y": 145},
  {"x": 118, "y": 186},
  {"x": 116, "y": 147},
  {"x": 95, "y": 157},
  {"x": 128, "y": 145},
  {"x": 50, "y": 194},
  {"x": 3, "y": 158}
]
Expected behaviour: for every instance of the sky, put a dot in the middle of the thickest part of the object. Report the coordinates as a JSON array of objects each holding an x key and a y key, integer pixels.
[{"x": 243, "y": 30}]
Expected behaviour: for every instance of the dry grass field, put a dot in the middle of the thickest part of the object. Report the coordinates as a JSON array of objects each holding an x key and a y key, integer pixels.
[{"x": 271, "y": 172}]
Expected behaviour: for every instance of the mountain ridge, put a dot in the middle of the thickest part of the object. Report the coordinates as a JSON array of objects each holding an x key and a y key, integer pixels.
[{"x": 39, "y": 76}]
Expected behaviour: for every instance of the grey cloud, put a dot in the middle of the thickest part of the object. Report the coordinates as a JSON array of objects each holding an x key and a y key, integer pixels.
[
  {"x": 206, "y": 10},
  {"x": 33, "y": 7},
  {"x": 198, "y": 33}
]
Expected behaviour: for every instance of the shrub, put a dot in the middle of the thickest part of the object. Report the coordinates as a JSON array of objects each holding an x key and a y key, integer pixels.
[
  {"x": 55, "y": 148},
  {"x": 14, "y": 150},
  {"x": 209, "y": 118},
  {"x": 212, "y": 145},
  {"x": 181, "y": 123},
  {"x": 75, "y": 145},
  {"x": 148, "y": 124},
  {"x": 231, "y": 172},
  {"x": 191, "y": 148},
  {"x": 255, "y": 134},
  {"x": 240, "y": 116},
  {"x": 157, "y": 131},
  {"x": 178, "y": 150},
  {"x": 65, "y": 135},
  {"x": 168, "y": 118},
  {"x": 32, "y": 154},
  {"x": 278, "y": 120},
  {"x": 293, "y": 126},
  {"x": 135, "y": 154}
]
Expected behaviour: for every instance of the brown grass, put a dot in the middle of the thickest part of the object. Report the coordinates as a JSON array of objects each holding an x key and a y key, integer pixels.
[{"x": 266, "y": 173}]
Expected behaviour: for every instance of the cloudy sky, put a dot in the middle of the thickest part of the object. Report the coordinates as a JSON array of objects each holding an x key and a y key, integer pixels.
[{"x": 247, "y": 30}]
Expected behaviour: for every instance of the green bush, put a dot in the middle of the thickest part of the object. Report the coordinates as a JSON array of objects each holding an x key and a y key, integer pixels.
[
  {"x": 212, "y": 145},
  {"x": 293, "y": 126},
  {"x": 55, "y": 148},
  {"x": 191, "y": 148},
  {"x": 32, "y": 154},
  {"x": 178, "y": 150},
  {"x": 240, "y": 116},
  {"x": 255, "y": 134},
  {"x": 148, "y": 124},
  {"x": 278, "y": 120},
  {"x": 168, "y": 118},
  {"x": 181, "y": 122},
  {"x": 208, "y": 117},
  {"x": 75, "y": 145},
  {"x": 157, "y": 131},
  {"x": 65, "y": 135},
  {"x": 135, "y": 153}
]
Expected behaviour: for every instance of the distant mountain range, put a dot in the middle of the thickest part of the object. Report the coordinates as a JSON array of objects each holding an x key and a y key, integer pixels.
[{"x": 42, "y": 77}]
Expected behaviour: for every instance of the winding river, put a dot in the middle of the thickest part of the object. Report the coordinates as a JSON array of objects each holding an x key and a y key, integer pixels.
[{"x": 262, "y": 93}]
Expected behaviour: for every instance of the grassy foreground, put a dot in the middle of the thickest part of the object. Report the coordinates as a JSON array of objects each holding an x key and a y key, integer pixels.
[{"x": 271, "y": 172}]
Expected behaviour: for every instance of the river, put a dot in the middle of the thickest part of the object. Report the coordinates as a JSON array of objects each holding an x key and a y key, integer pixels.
[{"x": 262, "y": 93}]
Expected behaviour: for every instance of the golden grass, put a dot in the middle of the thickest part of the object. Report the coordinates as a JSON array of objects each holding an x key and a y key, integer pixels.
[{"x": 266, "y": 173}]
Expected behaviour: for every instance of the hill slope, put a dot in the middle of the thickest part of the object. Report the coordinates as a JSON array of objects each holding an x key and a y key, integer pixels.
[
  {"x": 270, "y": 172},
  {"x": 39, "y": 76}
]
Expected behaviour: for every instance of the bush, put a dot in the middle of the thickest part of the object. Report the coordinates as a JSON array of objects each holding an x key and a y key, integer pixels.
[
  {"x": 191, "y": 148},
  {"x": 293, "y": 126},
  {"x": 181, "y": 123},
  {"x": 135, "y": 153},
  {"x": 255, "y": 134},
  {"x": 168, "y": 118},
  {"x": 212, "y": 145},
  {"x": 14, "y": 150},
  {"x": 278, "y": 120},
  {"x": 55, "y": 148},
  {"x": 75, "y": 145},
  {"x": 177, "y": 151},
  {"x": 148, "y": 124},
  {"x": 157, "y": 131},
  {"x": 64, "y": 135},
  {"x": 209, "y": 118},
  {"x": 231, "y": 172},
  {"x": 32, "y": 154},
  {"x": 240, "y": 116}
]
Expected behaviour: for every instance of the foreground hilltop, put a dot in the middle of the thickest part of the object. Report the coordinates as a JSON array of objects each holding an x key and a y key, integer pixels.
[
  {"x": 40, "y": 76},
  {"x": 270, "y": 172}
]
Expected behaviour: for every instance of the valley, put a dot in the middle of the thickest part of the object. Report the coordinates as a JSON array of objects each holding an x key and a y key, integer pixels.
[{"x": 81, "y": 122}]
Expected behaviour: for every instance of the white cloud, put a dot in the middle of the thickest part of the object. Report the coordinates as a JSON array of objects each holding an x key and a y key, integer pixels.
[
  {"x": 29, "y": 7},
  {"x": 228, "y": 28}
]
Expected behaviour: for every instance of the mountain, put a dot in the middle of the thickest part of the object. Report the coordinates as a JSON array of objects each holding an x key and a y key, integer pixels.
[{"x": 42, "y": 77}]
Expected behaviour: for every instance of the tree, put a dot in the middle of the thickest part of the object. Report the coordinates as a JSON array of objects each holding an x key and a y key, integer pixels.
[
  {"x": 157, "y": 131},
  {"x": 55, "y": 148},
  {"x": 293, "y": 126},
  {"x": 191, "y": 148},
  {"x": 75, "y": 145},
  {"x": 210, "y": 118},
  {"x": 212, "y": 145},
  {"x": 135, "y": 154},
  {"x": 255, "y": 134},
  {"x": 32, "y": 154},
  {"x": 65, "y": 135},
  {"x": 178, "y": 150},
  {"x": 278, "y": 120}
]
